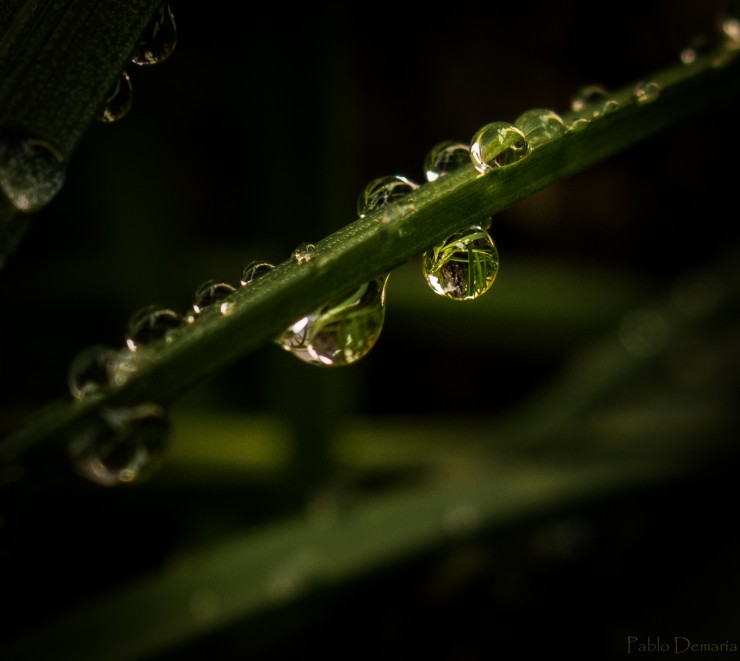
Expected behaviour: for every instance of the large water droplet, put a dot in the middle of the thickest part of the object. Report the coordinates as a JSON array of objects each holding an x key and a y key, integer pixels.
[
  {"x": 384, "y": 191},
  {"x": 342, "y": 331},
  {"x": 446, "y": 157},
  {"x": 31, "y": 170},
  {"x": 540, "y": 125},
  {"x": 210, "y": 293},
  {"x": 594, "y": 100},
  {"x": 120, "y": 446},
  {"x": 646, "y": 91},
  {"x": 497, "y": 144},
  {"x": 305, "y": 252},
  {"x": 150, "y": 324},
  {"x": 88, "y": 376},
  {"x": 159, "y": 39},
  {"x": 118, "y": 101},
  {"x": 254, "y": 270},
  {"x": 463, "y": 267}
]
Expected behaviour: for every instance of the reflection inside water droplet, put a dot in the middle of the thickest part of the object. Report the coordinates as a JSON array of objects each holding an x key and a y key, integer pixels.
[
  {"x": 32, "y": 171},
  {"x": 118, "y": 101},
  {"x": 150, "y": 324},
  {"x": 497, "y": 144},
  {"x": 254, "y": 270},
  {"x": 305, "y": 252},
  {"x": 89, "y": 372},
  {"x": 159, "y": 39},
  {"x": 446, "y": 157},
  {"x": 540, "y": 125},
  {"x": 646, "y": 91},
  {"x": 342, "y": 331},
  {"x": 463, "y": 267},
  {"x": 209, "y": 293},
  {"x": 384, "y": 191},
  {"x": 120, "y": 446}
]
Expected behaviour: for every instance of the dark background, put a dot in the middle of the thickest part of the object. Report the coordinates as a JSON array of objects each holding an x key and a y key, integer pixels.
[{"x": 259, "y": 133}]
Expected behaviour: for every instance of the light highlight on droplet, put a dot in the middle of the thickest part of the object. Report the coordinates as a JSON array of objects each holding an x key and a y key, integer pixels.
[
  {"x": 210, "y": 293},
  {"x": 254, "y": 270}
]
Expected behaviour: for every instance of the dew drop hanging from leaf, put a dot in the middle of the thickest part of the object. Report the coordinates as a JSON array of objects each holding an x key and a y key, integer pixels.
[
  {"x": 119, "y": 100},
  {"x": 342, "y": 331},
  {"x": 463, "y": 267},
  {"x": 120, "y": 446},
  {"x": 159, "y": 39}
]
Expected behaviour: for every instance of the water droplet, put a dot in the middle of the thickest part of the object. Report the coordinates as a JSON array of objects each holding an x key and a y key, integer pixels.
[
  {"x": 89, "y": 372},
  {"x": 305, "y": 252},
  {"x": 209, "y": 293},
  {"x": 342, "y": 331},
  {"x": 254, "y": 270},
  {"x": 540, "y": 125},
  {"x": 446, "y": 157},
  {"x": 159, "y": 39},
  {"x": 497, "y": 144},
  {"x": 578, "y": 123},
  {"x": 31, "y": 170},
  {"x": 646, "y": 91},
  {"x": 384, "y": 191},
  {"x": 120, "y": 446},
  {"x": 463, "y": 267},
  {"x": 643, "y": 333},
  {"x": 150, "y": 324},
  {"x": 593, "y": 100},
  {"x": 124, "y": 365},
  {"x": 118, "y": 101}
]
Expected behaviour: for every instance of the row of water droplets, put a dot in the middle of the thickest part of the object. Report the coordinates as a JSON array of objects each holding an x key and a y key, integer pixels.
[
  {"x": 32, "y": 169},
  {"x": 155, "y": 46},
  {"x": 125, "y": 445}
]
